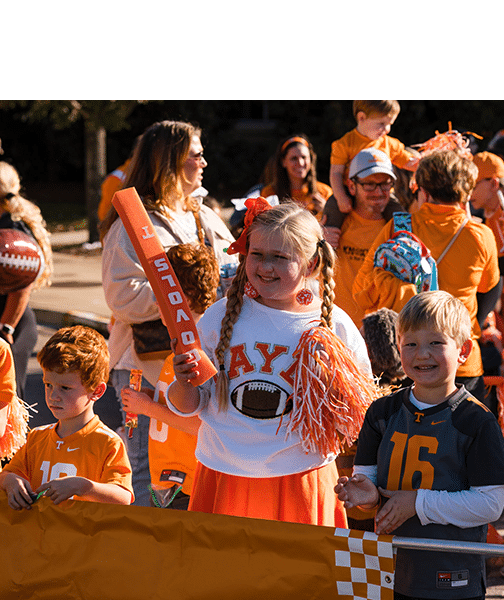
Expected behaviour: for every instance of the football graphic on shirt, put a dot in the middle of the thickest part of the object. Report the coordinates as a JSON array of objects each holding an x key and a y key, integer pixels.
[
  {"x": 21, "y": 260},
  {"x": 261, "y": 399}
]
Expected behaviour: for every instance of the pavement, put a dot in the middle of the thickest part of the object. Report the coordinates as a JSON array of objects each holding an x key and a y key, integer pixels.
[
  {"x": 76, "y": 297},
  {"x": 76, "y": 294}
]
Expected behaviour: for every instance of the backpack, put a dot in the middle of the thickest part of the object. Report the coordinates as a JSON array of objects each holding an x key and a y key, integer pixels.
[{"x": 406, "y": 256}]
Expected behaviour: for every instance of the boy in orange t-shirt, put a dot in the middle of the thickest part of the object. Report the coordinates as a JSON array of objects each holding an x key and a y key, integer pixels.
[
  {"x": 374, "y": 119},
  {"x": 78, "y": 456},
  {"x": 172, "y": 439}
]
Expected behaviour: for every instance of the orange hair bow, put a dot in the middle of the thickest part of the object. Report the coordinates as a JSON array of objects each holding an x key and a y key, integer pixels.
[{"x": 255, "y": 206}]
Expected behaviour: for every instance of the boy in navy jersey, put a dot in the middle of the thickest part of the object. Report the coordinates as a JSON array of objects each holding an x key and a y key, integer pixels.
[{"x": 432, "y": 455}]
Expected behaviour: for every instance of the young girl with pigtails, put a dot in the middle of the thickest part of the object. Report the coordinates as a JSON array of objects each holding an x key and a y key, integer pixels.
[{"x": 293, "y": 381}]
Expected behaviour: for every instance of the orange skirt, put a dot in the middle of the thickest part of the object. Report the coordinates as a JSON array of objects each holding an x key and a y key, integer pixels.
[{"x": 299, "y": 498}]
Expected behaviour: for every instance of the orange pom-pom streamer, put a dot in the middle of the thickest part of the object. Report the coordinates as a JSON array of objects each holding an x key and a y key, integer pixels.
[
  {"x": 16, "y": 430},
  {"x": 331, "y": 394},
  {"x": 449, "y": 140},
  {"x": 442, "y": 142}
]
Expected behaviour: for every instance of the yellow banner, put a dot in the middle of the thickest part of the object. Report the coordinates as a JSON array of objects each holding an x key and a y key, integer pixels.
[{"x": 90, "y": 551}]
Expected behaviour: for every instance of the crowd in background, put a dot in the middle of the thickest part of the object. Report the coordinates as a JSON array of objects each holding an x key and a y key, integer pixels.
[{"x": 293, "y": 309}]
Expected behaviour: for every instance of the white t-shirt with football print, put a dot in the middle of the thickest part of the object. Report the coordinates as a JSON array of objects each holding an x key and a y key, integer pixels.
[{"x": 249, "y": 438}]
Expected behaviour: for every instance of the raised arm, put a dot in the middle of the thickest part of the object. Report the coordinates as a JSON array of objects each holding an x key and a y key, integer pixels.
[
  {"x": 338, "y": 188},
  {"x": 142, "y": 403},
  {"x": 374, "y": 288},
  {"x": 182, "y": 394}
]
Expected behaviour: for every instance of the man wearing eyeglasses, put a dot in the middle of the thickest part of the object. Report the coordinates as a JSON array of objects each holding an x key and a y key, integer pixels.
[{"x": 371, "y": 178}]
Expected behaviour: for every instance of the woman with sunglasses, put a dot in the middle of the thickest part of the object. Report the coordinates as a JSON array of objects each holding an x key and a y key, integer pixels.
[{"x": 166, "y": 170}]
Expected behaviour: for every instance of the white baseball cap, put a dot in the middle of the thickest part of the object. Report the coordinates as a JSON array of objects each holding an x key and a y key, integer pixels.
[{"x": 370, "y": 161}]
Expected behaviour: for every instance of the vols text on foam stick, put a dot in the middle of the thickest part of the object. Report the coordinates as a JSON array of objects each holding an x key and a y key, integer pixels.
[{"x": 165, "y": 285}]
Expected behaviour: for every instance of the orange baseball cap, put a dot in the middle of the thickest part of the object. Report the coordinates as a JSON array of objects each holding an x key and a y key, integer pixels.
[{"x": 489, "y": 165}]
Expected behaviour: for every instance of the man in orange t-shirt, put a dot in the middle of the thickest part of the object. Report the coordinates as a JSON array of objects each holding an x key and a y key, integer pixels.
[{"x": 371, "y": 179}]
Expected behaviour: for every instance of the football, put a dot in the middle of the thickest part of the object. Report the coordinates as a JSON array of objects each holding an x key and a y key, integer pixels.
[
  {"x": 261, "y": 400},
  {"x": 21, "y": 260}
]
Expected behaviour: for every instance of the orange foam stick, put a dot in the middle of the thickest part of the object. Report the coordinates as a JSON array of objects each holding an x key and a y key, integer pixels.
[
  {"x": 165, "y": 285},
  {"x": 135, "y": 383}
]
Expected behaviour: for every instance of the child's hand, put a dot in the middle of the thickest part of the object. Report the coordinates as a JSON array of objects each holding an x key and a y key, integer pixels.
[
  {"x": 357, "y": 490},
  {"x": 412, "y": 163},
  {"x": 135, "y": 402},
  {"x": 8, "y": 337},
  {"x": 64, "y": 488},
  {"x": 344, "y": 202},
  {"x": 318, "y": 202},
  {"x": 184, "y": 366},
  {"x": 19, "y": 492},
  {"x": 322, "y": 354},
  {"x": 399, "y": 508},
  {"x": 331, "y": 234}
]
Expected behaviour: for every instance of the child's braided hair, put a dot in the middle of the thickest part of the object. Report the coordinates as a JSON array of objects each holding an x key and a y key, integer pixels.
[{"x": 303, "y": 237}]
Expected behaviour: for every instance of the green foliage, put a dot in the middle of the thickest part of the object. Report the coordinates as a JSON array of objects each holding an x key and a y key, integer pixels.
[
  {"x": 110, "y": 114},
  {"x": 44, "y": 138}
]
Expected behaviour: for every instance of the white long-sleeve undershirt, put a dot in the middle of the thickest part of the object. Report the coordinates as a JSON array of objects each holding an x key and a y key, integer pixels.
[{"x": 467, "y": 508}]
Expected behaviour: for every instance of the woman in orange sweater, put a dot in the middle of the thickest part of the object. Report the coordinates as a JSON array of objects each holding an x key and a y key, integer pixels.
[{"x": 295, "y": 175}]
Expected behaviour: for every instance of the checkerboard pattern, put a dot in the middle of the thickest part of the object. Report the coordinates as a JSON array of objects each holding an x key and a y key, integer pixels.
[{"x": 364, "y": 565}]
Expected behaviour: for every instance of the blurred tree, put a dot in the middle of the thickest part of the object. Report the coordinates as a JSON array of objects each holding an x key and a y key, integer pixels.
[
  {"x": 100, "y": 117},
  {"x": 46, "y": 139}
]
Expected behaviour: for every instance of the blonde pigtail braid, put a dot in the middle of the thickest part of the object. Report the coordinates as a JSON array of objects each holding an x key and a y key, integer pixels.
[
  {"x": 233, "y": 309},
  {"x": 327, "y": 259}
]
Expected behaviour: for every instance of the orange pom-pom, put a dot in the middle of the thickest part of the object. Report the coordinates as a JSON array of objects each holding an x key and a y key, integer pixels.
[
  {"x": 16, "y": 430},
  {"x": 331, "y": 393},
  {"x": 443, "y": 142}
]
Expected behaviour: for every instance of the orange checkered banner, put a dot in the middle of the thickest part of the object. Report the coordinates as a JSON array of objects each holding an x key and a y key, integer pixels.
[{"x": 89, "y": 551}]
